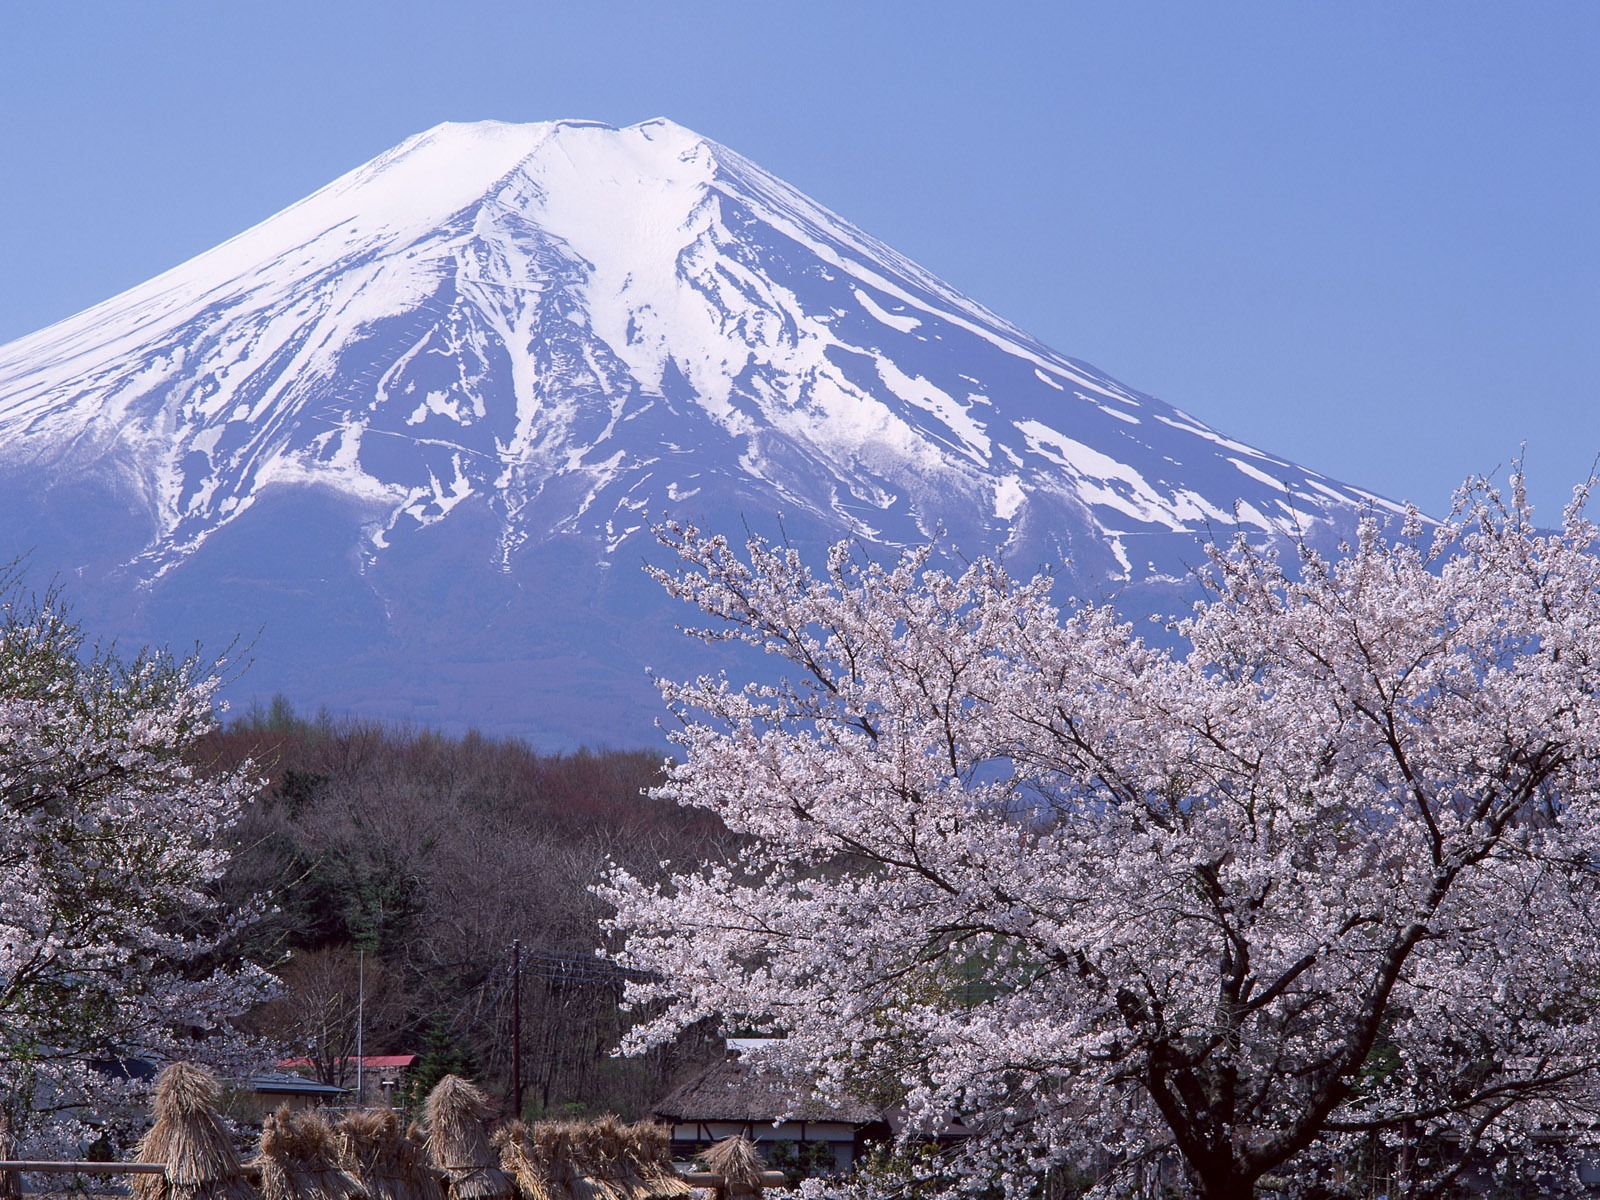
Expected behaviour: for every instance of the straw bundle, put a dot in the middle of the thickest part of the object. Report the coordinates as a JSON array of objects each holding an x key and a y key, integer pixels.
[
  {"x": 458, "y": 1142},
  {"x": 601, "y": 1154},
  {"x": 299, "y": 1160},
  {"x": 650, "y": 1146},
  {"x": 737, "y": 1161},
  {"x": 635, "y": 1160},
  {"x": 594, "y": 1160},
  {"x": 524, "y": 1160},
  {"x": 558, "y": 1146},
  {"x": 189, "y": 1140},
  {"x": 375, "y": 1148}
]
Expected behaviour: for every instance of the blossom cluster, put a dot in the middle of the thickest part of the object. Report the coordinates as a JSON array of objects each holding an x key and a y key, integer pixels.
[
  {"x": 110, "y": 835},
  {"x": 1319, "y": 883}
]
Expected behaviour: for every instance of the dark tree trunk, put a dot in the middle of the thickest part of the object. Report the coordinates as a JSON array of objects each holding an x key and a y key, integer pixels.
[{"x": 1224, "y": 1185}]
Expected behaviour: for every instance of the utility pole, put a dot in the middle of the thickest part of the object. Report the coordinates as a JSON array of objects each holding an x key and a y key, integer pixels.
[
  {"x": 516, "y": 1028},
  {"x": 361, "y": 1016}
]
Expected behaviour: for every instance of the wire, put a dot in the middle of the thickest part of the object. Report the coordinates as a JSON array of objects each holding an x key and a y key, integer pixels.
[{"x": 567, "y": 966}]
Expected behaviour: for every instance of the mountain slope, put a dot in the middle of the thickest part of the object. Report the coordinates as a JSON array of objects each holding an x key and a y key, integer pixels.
[{"x": 411, "y": 427}]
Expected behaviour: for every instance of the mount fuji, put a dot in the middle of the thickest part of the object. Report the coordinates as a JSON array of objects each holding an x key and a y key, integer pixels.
[{"x": 407, "y": 437}]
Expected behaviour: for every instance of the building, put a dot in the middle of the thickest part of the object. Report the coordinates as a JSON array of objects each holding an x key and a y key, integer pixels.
[
  {"x": 252, "y": 1097},
  {"x": 731, "y": 1097},
  {"x": 380, "y": 1076}
]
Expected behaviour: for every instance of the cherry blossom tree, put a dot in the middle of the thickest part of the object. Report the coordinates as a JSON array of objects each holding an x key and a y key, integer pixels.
[
  {"x": 109, "y": 838},
  {"x": 1316, "y": 890}
]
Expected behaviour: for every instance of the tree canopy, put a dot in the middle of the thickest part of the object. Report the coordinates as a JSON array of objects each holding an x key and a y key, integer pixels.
[
  {"x": 110, "y": 837},
  {"x": 1317, "y": 885},
  {"x": 431, "y": 853}
]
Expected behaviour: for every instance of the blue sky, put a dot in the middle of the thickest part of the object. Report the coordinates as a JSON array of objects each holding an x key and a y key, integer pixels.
[{"x": 1362, "y": 235}]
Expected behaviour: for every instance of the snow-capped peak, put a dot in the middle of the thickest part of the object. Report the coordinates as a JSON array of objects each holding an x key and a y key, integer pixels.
[{"x": 553, "y": 331}]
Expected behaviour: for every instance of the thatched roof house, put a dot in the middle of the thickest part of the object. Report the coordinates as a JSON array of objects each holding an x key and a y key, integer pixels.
[{"x": 733, "y": 1098}]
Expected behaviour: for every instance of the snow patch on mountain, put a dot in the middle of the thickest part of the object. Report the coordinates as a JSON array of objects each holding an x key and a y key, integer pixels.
[{"x": 534, "y": 334}]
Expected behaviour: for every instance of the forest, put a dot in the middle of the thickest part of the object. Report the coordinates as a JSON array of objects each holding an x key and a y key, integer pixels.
[{"x": 395, "y": 867}]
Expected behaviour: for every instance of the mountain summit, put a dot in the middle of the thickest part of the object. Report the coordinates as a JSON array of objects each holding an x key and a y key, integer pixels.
[{"x": 414, "y": 428}]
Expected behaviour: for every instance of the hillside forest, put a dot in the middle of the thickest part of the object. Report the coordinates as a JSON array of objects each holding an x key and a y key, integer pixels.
[{"x": 398, "y": 866}]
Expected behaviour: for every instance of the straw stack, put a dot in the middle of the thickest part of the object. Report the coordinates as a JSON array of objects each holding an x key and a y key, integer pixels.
[
  {"x": 650, "y": 1147},
  {"x": 299, "y": 1160},
  {"x": 375, "y": 1149},
  {"x": 635, "y": 1160},
  {"x": 738, "y": 1162},
  {"x": 524, "y": 1159},
  {"x": 458, "y": 1142},
  {"x": 591, "y": 1160},
  {"x": 560, "y": 1146},
  {"x": 600, "y": 1158},
  {"x": 189, "y": 1140}
]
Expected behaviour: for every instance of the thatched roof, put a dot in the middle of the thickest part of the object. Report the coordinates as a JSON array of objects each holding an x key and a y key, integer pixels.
[
  {"x": 734, "y": 1090},
  {"x": 375, "y": 1148},
  {"x": 458, "y": 1116},
  {"x": 300, "y": 1161},
  {"x": 189, "y": 1140}
]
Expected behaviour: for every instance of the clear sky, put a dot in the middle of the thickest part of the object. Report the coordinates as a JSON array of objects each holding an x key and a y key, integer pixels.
[{"x": 1364, "y": 235}]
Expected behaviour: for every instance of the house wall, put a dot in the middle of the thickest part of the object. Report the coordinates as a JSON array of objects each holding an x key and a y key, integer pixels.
[
  {"x": 252, "y": 1107},
  {"x": 688, "y": 1138}
]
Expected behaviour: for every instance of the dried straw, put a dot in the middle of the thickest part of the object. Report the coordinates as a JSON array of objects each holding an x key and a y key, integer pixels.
[
  {"x": 524, "y": 1160},
  {"x": 458, "y": 1142},
  {"x": 189, "y": 1140},
  {"x": 601, "y": 1159},
  {"x": 738, "y": 1162},
  {"x": 603, "y": 1153},
  {"x": 375, "y": 1148},
  {"x": 555, "y": 1144},
  {"x": 299, "y": 1160},
  {"x": 650, "y": 1147}
]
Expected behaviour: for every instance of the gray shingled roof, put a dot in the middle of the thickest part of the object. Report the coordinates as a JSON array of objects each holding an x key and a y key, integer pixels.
[
  {"x": 281, "y": 1083},
  {"x": 733, "y": 1090}
]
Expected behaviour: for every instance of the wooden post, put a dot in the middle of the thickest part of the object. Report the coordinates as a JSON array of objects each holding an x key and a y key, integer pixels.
[
  {"x": 10, "y": 1185},
  {"x": 709, "y": 1179},
  {"x": 516, "y": 1029},
  {"x": 40, "y": 1167}
]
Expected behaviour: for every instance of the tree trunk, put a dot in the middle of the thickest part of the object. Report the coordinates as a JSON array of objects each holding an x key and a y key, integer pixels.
[
  {"x": 10, "y": 1182},
  {"x": 1222, "y": 1182}
]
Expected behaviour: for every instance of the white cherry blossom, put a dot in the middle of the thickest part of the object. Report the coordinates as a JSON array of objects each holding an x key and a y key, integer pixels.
[
  {"x": 1318, "y": 888},
  {"x": 110, "y": 834}
]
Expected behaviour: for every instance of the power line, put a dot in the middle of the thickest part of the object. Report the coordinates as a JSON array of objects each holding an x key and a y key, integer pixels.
[{"x": 568, "y": 966}]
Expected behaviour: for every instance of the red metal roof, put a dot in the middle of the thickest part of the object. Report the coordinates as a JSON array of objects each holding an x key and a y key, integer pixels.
[{"x": 398, "y": 1061}]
